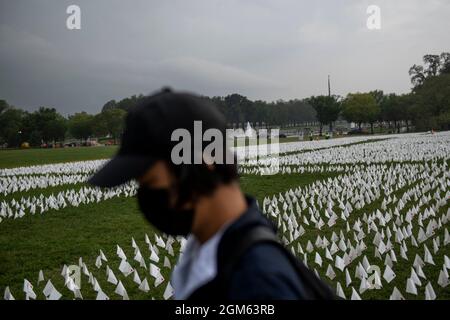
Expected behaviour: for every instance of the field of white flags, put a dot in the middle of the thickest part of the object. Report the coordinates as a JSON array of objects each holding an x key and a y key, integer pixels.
[{"x": 369, "y": 215}]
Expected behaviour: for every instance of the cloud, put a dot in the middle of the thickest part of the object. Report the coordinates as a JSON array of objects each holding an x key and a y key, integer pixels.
[
  {"x": 265, "y": 49},
  {"x": 318, "y": 33},
  {"x": 16, "y": 41},
  {"x": 217, "y": 76}
]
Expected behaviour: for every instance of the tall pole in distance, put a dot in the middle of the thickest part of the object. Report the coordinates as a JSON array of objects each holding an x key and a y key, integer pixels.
[
  {"x": 329, "y": 95},
  {"x": 329, "y": 88}
]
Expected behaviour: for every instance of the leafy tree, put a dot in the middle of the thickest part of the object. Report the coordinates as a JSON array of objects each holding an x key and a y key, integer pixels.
[
  {"x": 432, "y": 103},
  {"x": 378, "y": 95},
  {"x": 3, "y": 106},
  {"x": 373, "y": 111},
  {"x": 398, "y": 108},
  {"x": 100, "y": 128},
  {"x": 48, "y": 122},
  {"x": 361, "y": 108},
  {"x": 434, "y": 65},
  {"x": 406, "y": 102},
  {"x": 11, "y": 126},
  {"x": 35, "y": 138},
  {"x": 111, "y": 104},
  {"x": 445, "y": 63},
  {"x": 417, "y": 75},
  {"x": 81, "y": 125},
  {"x": 56, "y": 128},
  {"x": 391, "y": 109},
  {"x": 429, "y": 103},
  {"x": 129, "y": 103},
  {"x": 111, "y": 122},
  {"x": 239, "y": 109}
]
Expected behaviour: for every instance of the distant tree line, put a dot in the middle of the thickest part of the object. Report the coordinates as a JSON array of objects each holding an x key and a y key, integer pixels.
[
  {"x": 46, "y": 125},
  {"x": 239, "y": 109},
  {"x": 17, "y": 126},
  {"x": 426, "y": 107}
]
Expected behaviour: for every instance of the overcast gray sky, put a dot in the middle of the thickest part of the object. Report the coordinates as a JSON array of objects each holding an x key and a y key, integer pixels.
[{"x": 264, "y": 49}]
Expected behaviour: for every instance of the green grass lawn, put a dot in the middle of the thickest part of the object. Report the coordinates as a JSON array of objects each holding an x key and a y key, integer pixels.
[
  {"x": 11, "y": 158},
  {"x": 30, "y": 157}
]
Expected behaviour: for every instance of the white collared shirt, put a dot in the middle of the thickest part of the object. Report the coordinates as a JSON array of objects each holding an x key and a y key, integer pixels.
[{"x": 196, "y": 266}]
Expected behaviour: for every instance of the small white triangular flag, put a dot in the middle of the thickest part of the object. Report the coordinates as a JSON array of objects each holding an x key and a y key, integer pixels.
[
  {"x": 121, "y": 291},
  {"x": 340, "y": 291},
  {"x": 388, "y": 274},
  {"x": 168, "y": 292},
  {"x": 144, "y": 285},
  {"x": 125, "y": 268},
  {"x": 48, "y": 288},
  {"x": 54, "y": 295},
  {"x": 429, "y": 292},
  {"x": 102, "y": 256},
  {"x": 120, "y": 253},
  {"x": 443, "y": 279},
  {"x": 101, "y": 296},
  {"x": 330, "y": 272},
  {"x": 396, "y": 295},
  {"x": 111, "y": 277},
  {"x": 411, "y": 287},
  {"x": 318, "y": 259},
  {"x": 98, "y": 262},
  {"x": 136, "y": 278},
  {"x": 40, "y": 276},
  {"x": 167, "y": 263},
  {"x": 355, "y": 295},
  {"x": 28, "y": 289},
  {"x": 8, "y": 295}
]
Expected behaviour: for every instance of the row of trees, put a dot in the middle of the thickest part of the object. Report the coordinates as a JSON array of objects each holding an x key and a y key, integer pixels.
[
  {"x": 239, "y": 109},
  {"x": 426, "y": 107},
  {"x": 364, "y": 108},
  {"x": 46, "y": 125},
  {"x": 431, "y": 92},
  {"x": 106, "y": 123},
  {"x": 17, "y": 125}
]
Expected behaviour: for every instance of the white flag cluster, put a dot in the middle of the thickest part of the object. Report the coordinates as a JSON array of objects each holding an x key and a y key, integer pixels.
[
  {"x": 358, "y": 226},
  {"x": 379, "y": 221},
  {"x": 144, "y": 271}
]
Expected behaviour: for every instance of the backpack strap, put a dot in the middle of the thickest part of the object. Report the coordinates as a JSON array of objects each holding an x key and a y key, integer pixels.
[{"x": 238, "y": 244}]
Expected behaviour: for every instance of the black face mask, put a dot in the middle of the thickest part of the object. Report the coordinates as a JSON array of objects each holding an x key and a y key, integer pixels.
[{"x": 155, "y": 205}]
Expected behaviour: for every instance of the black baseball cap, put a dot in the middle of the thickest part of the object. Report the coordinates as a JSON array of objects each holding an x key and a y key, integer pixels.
[{"x": 148, "y": 130}]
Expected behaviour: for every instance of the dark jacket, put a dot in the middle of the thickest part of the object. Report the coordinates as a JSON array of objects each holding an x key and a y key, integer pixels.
[{"x": 262, "y": 272}]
